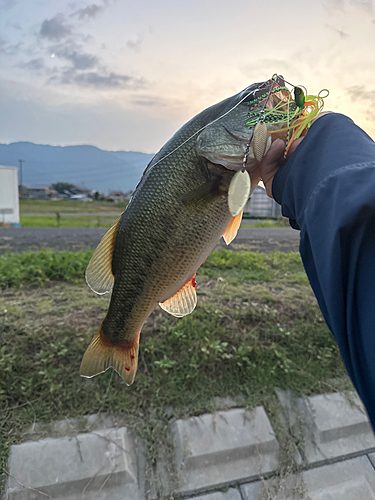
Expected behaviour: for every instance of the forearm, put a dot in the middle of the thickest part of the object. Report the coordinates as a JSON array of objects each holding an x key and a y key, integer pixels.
[{"x": 327, "y": 189}]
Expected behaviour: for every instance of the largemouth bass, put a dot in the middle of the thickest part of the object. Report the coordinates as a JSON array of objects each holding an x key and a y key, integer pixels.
[{"x": 176, "y": 216}]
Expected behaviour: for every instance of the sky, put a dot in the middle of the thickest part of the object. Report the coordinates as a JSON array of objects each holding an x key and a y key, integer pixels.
[{"x": 125, "y": 75}]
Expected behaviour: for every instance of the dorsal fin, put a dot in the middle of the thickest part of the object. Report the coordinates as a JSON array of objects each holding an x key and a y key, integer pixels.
[
  {"x": 182, "y": 302},
  {"x": 99, "y": 275},
  {"x": 232, "y": 229}
]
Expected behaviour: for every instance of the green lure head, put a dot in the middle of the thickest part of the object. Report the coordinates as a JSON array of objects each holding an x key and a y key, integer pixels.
[{"x": 299, "y": 97}]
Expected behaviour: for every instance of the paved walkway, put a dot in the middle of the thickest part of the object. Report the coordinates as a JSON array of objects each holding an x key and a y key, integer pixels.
[
  {"x": 77, "y": 238},
  {"x": 232, "y": 454}
]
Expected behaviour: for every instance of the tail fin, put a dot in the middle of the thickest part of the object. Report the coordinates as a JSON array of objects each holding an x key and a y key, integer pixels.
[{"x": 102, "y": 354}]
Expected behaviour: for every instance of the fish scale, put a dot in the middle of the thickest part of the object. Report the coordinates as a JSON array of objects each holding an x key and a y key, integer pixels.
[
  {"x": 175, "y": 218},
  {"x": 161, "y": 265}
]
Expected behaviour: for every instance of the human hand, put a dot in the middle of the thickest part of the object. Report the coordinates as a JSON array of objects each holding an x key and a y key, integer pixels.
[{"x": 274, "y": 159}]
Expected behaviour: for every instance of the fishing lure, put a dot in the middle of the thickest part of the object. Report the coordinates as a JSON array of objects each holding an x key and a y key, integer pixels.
[
  {"x": 239, "y": 192},
  {"x": 261, "y": 140},
  {"x": 276, "y": 112},
  {"x": 299, "y": 97},
  {"x": 289, "y": 116}
]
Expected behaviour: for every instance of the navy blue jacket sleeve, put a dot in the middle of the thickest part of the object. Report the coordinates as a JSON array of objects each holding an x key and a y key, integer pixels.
[{"x": 327, "y": 189}]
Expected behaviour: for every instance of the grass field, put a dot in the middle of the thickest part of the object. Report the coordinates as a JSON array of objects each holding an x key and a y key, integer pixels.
[
  {"x": 65, "y": 205},
  {"x": 68, "y": 221},
  {"x": 66, "y": 213},
  {"x": 256, "y": 327}
]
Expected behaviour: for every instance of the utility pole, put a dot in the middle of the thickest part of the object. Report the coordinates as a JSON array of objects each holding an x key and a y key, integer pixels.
[{"x": 20, "y": 163}]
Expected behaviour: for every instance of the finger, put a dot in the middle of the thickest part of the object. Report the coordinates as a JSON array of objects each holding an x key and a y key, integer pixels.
[
  {"x": 275, "y": 152},
  {"x": 271, "y": 163},
  {"x": 255, "y": 178},
  {"x": 294, "y": 146}
]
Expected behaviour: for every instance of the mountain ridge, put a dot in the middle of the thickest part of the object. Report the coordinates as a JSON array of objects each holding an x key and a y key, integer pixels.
[{"x": 85, "y": 164}]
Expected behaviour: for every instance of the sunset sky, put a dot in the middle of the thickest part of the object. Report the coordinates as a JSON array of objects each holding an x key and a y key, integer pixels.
[{"x": 127, "y": 74}]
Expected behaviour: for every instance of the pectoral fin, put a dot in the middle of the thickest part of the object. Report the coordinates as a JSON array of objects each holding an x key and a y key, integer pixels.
[
  {"x": 102, "y": 354},
  {"x": 99, "y": 275},
  {"x": 202, "y": 194},
  {"x": 183, "y": 302},
  {"x": 232, "y": 230}
]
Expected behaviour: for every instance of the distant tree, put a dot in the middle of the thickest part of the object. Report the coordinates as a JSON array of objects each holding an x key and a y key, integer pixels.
[{"x": 61, "y": 187}]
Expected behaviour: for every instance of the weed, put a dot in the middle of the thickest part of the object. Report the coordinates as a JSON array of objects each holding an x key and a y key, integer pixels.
[
  {"x": 255, "y": 328},
  {"x": 36, "y": 268},
  {"x": 58, "y": 219}
]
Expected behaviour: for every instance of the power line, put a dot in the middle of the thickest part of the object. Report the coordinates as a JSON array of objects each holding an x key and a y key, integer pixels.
[{"x": 20, "y": 163}]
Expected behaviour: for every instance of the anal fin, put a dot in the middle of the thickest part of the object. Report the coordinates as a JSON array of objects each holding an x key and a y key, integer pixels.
[
  {"x": 99, "y": 276},
  {"x": 182, "y": 302},
  {"x": 232, "y": 229},
  {"x": 102, "y": 354}
]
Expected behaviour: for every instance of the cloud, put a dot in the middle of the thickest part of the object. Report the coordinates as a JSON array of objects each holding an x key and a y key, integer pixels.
[
  {"x": 89, "y": 12},
  {"x": 15, "y": 26},
  {"x": 10, "y": 50},
  {"x": 95, "y": 79},
  {"x": 341, "y": 33},
  {"x": 366, "y": 5},
  {"x": 149, "y": 101},
  {"x": 34, "y": 65},
  {"x": 55, "y": 28},
  {"x": 7, "y": 4},
  {"x": 72, "y": 53},
  {"x": 360, "y": 93},
  {"x": 363, "y": 97},
  {"x": 134, "y": 44}
]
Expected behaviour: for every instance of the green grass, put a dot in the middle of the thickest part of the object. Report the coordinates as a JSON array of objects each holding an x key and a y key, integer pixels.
[
  {"x": 37, "y": 268},
  {"x": 280, "y": 222},
  {"x": 33, "y": 213},
  {"x": 64, "y": 205},
  {"x": 256, "y": 327},
  {"x": 101, "y": 220},
  {"x": 67, "y": 221}
]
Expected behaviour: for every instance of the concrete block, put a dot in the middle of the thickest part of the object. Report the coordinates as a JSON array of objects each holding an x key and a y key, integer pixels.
[
  {"x": 332, "y": 426},
  {"x": 217, "y": 449},
  {"x": 107, "y": 463},
  {"x": 348, "y": 480},
  {"x": 70, "y": 427},
  {"x": 231, "y": 494},
  {"x": 371, "y": 456}
]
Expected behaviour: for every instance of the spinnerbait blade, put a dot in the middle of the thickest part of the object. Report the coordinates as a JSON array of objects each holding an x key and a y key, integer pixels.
[{"x": 239, "y": 192}]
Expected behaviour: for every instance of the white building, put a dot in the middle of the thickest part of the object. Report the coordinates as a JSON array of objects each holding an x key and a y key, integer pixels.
[
  {"x": 260, "y": 204},
  {"x": 9, "y": 203}
]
